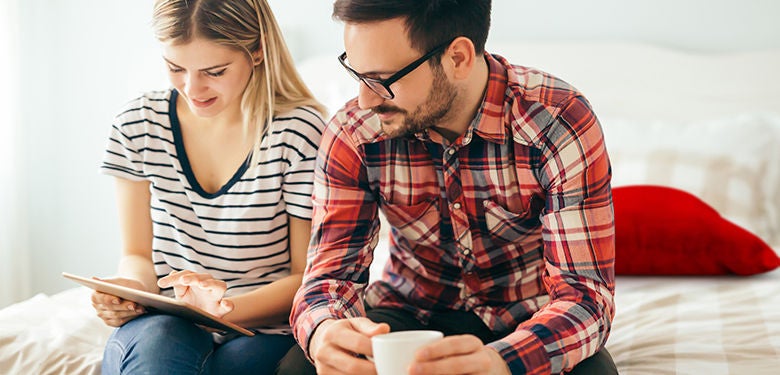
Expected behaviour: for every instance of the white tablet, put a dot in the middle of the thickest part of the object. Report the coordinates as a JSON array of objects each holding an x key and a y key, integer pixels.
[{"x": 162, "y": 304}]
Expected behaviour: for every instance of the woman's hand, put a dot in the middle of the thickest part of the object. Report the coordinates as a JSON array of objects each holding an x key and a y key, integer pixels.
[
  {"x": 114, "y": 310},
  {"x": 200, "y": 290}
]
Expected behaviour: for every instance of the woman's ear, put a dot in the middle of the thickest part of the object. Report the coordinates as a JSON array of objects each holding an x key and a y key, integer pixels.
[
  {"x": 257, "y": 57},
  {"x": 461, "y": 57}
]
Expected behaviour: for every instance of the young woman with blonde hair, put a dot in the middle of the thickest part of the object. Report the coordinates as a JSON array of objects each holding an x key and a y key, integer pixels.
[{"x": 214, "y": 178}]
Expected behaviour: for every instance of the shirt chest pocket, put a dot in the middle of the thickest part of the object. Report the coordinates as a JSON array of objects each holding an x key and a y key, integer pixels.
[
  {"x": 504, "y": 226},
  {"x": 418, "y": 223}
]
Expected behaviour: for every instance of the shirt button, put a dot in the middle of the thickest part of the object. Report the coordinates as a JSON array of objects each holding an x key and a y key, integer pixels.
[
  {"x": 451, "y": 151},
  {"x": 456, "y": 205},
  {"x": 466, "y": 252}
]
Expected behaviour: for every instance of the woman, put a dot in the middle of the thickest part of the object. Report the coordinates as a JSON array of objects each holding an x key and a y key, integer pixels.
[{"x": 214, "y": 179}]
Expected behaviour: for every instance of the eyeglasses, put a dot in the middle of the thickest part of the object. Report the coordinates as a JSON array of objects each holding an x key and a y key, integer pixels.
[{"x": 382, "y": 86}]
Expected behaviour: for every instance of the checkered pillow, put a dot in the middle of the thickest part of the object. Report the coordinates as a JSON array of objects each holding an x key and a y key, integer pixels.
[{"x": 733, "y": 164}]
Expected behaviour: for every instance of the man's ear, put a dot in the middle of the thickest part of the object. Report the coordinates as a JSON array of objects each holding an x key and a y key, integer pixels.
[{"x": 460, "y": 55}]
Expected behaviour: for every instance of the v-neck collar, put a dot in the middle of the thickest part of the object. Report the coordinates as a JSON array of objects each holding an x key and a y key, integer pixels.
[{"x": 178, "y": 141}]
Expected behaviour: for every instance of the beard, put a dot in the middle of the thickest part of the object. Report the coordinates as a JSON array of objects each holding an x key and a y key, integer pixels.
[{"x": 441, "y": 99}]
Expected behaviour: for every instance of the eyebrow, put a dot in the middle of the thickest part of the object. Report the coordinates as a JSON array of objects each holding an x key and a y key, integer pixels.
[
  {"x": 371, "y": 73},
  {"x": 202, "y": 70}
]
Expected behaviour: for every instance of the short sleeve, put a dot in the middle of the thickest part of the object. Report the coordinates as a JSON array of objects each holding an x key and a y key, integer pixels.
[
  {"x": 301, "y": 134},
  {"x": 122, "y": 157}
]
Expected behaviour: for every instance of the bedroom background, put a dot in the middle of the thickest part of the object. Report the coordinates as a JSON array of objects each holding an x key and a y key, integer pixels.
[{"x": 68, "y": 65}]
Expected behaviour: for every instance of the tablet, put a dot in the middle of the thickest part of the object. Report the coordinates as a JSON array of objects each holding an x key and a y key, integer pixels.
[{"x": 161, "y": 304}]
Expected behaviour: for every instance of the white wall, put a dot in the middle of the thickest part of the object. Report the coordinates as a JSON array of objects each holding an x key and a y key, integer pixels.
[
  {"x": 79, "y": 62},
  {"x": 82, "y": 59},
  {"x": 697, "y": 25}
]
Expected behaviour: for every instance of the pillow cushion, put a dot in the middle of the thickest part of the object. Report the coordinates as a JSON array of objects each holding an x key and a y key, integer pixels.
[
  {"x": 666, "y": 231},
  {"x": 731, "y": 163}
]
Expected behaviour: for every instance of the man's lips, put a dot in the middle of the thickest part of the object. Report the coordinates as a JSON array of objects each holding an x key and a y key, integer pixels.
[{"x": 386, "y": 114}]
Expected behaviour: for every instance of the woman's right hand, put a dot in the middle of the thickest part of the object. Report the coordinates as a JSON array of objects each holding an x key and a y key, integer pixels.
[{"x": 116, "y": 311}]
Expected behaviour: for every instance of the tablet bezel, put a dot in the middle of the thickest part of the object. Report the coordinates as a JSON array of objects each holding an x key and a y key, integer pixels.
[{"x": 163, "y": 304}]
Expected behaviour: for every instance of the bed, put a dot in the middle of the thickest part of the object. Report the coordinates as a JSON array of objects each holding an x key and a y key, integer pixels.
[{"x": 706, "y": 124}]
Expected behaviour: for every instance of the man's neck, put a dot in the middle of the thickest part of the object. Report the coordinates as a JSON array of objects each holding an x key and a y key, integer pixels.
[{"x": 467, "y": 105}]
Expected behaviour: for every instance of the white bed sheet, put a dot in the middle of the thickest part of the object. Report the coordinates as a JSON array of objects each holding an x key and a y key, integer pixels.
[
  {"x": 57, "y": 334},
  {"x": 697, "y": 325},
  {"x": 664, "y": 325}
]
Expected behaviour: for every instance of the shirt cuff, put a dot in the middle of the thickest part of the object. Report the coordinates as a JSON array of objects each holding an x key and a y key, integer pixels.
[
  {"x": 524, "y": 353},
  {"x": 311, "y": 319}
]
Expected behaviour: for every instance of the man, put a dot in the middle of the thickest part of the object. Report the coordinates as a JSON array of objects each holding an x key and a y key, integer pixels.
[{"x": 496, "y": 183}]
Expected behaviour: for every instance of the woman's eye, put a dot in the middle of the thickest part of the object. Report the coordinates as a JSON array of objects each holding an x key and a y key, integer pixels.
[
  {"x": 174, "y": 69},
  {"x": 216, "y": 74}
]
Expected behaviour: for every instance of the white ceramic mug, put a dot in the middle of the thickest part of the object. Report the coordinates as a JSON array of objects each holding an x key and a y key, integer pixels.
[{"x": 394, "y": 351}]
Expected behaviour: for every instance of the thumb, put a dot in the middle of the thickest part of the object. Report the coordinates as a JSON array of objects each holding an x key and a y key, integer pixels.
[
  {"x": 224, "y": 307},
  {"x": 369, "y": 328}
]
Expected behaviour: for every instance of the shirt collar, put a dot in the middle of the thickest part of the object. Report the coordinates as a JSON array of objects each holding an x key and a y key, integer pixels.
[{"x": 489, "y": 121}]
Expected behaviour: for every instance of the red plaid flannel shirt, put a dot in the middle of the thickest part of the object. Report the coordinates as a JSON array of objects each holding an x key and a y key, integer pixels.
[{"x": 513, "y": 221}]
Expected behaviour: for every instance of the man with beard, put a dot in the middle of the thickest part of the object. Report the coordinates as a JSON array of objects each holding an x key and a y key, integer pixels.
[{"x": 495, "y": 181}]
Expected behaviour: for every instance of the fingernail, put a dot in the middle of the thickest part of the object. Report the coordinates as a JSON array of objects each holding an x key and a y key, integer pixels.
[{"x": 131, "y": 307}]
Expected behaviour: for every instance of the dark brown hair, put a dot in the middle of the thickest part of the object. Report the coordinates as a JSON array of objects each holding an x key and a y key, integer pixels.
[{"x": 429, "y": 23}]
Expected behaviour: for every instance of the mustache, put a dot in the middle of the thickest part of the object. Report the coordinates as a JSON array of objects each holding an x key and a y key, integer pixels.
[{"x": 381, "y": 109}]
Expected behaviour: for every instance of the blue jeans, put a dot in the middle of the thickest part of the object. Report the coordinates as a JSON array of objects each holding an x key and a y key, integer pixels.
[{"x": 164, "y": 344}]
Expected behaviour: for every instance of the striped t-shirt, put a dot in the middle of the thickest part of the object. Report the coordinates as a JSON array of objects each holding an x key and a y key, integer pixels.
[{"x": 238, "y": 234}]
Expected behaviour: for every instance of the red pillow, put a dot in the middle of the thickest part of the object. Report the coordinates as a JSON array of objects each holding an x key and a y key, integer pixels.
[{"x": 665, "y": 231}]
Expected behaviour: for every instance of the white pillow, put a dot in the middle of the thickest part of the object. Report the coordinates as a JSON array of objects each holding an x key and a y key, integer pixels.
[{"x": 732, "y": 163}]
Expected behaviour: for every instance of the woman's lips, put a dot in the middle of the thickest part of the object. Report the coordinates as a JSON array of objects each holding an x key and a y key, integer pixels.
[{"x": 203, "y": 103}]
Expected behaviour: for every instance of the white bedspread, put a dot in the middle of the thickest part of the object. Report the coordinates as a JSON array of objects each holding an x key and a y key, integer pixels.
[
  {"x": 57, "y": 334},
  {"x": 697, "y": 325},
  {"x": 664, "y": 325}
]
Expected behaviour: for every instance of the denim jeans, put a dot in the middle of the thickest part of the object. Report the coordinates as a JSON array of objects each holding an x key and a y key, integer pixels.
[{"x": 164, "y": 344}]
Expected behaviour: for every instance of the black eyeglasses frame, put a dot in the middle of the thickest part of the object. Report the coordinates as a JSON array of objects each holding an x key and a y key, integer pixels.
[{"x": 376, "y": 84}]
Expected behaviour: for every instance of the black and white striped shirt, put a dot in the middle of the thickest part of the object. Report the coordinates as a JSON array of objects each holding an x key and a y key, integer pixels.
[{"x": 238, "y": 234}]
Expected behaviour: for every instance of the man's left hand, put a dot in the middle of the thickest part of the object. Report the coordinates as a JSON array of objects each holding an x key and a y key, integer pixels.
[{"x": 464, "y": 354}]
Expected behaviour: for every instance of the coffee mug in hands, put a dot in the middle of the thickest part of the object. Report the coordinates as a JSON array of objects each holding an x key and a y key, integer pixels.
[{"x": 394, "y": 351}]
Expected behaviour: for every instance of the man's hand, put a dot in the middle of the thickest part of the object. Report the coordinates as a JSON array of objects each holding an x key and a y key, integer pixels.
[
  {"x": 464, "y": 354},
  {"x": 200, "y": 290},
  {"x": 336, "y": 344}
]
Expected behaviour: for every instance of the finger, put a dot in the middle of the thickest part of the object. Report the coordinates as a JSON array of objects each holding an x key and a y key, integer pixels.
[
  {"x": 368, "y": 327},
  {"x": 456, "y": 355},
  {"x": 171, "y": 278},
  {"x": 105, "y": 299},
  {"x": 449, "y": 346},
  {"x": 210, "y": 285},
  {"x": 344, "y": 336},
  {"x": 193, "y": 277},
  {"x": 333, "y": 360},
  {"x": 472, "y": 363},
  {"x": 225, "y": 307},
  {"x": 125, "y": 306},
  {"x": 117, "y": 315},
  {"x": 118, "y": 322}
]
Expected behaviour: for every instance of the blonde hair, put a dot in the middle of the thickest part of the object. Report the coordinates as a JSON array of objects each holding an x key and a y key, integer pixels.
[{"x": 249, "y": 26}]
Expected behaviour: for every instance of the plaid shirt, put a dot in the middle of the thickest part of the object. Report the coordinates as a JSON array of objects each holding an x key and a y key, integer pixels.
[{"x": 513, "y": 221}]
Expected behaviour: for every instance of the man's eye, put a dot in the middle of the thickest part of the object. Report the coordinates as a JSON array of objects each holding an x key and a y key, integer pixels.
[{"x": 216, "y": 74}]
